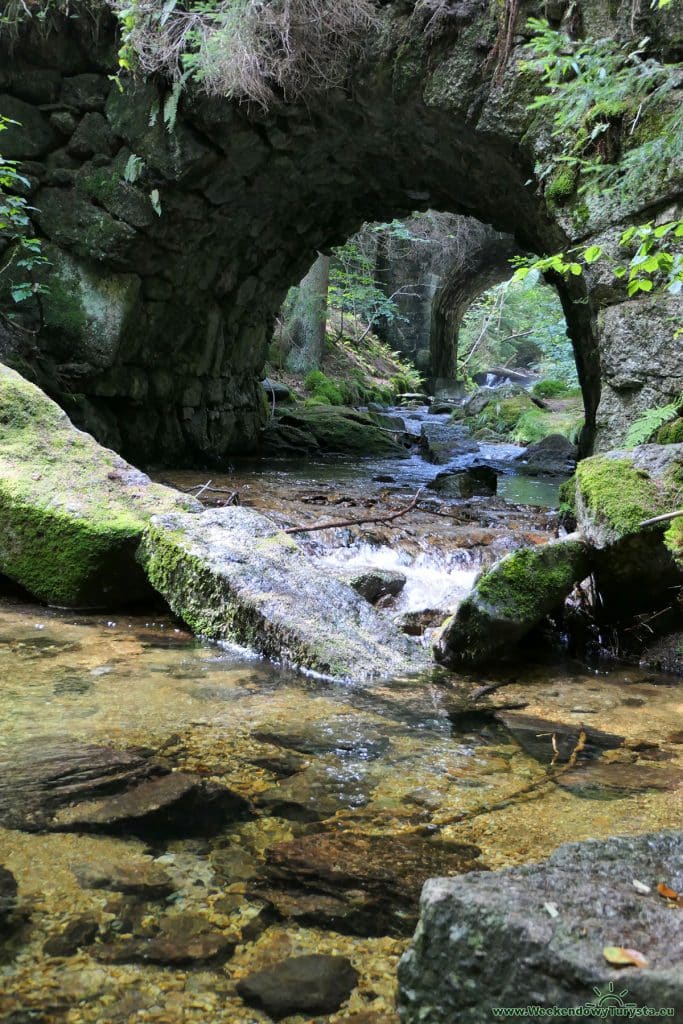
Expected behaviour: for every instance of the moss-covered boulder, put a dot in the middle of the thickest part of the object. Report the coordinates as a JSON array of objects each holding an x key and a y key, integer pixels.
[
  {"x": 71, "y": 512},
  {"x": 611, "y": 495},
  {"x": 511, "y": 598},
  {"x": 332, "y": 429},
  {"x": 231, "y": 574}
]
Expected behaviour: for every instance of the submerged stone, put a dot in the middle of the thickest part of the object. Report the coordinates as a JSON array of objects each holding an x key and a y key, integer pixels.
[
  {"x": 144, "y": 879},
  {"x": 371, "y": 883},
  {"x": 80, "y": 932},
  {"x": 183, "y": 939},
  {"x": 69, "y": 787},
  {"x": 489, "y": 940},
  {"x": 441, "y": 442},
  {"x": 231, "y": 574},
  {"x": 511, "y": 598},
  {"x": 304, "y": 984},
  {"x": 71, "y": 512}
]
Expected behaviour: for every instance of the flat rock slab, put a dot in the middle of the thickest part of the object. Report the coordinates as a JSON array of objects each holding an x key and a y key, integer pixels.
[
  {"x": 231, "y": 574},
  {"x": 488, "y": 940},
  {"x": 144, "y": 879},
  {"x": 67, "y": 787},
  {"x": 71, "y": 511},
  {"x": 183, "y": 939},
  {"x": 377, "y": 878},
  {"x": 303, "y": 984}
]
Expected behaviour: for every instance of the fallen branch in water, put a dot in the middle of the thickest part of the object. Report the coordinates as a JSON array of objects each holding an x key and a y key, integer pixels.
[
  {"x": 661, "y": 519},
  {"x": 233, "y": 496},
  {"x": 387, "y": 517}
]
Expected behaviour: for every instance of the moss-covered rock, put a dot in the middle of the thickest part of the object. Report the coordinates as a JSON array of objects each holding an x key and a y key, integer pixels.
[
  {"x": 511, "y": 598},
  {"x": 232, "y": 575},
  {"x": 71, "y": 512},
  {"x": 334, "y": 429},
  {"x": 612, "y": 494}
]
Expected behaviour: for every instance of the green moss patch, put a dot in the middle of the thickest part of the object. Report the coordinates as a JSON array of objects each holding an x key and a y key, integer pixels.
[
  {"x": 616, "y": 497},
  {"x": 71, "y": 512}
]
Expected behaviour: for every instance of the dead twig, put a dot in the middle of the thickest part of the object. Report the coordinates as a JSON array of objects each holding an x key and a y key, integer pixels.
[
  {"x": 661, "y": 519},
  {"x": 387, "y": 517}
]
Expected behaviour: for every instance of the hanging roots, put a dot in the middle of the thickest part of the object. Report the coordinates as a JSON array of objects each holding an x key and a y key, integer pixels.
[
  {"x": 257, "y": 50},
  {"x": 502, "y": 48}
]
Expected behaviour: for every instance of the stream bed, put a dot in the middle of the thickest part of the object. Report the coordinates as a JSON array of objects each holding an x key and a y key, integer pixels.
[{"x": 354, "y": 789}]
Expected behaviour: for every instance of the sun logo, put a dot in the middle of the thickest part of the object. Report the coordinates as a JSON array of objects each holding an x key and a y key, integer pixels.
[{"x": 608, "y": 996}]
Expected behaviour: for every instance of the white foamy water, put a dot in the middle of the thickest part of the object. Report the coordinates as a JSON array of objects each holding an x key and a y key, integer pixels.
[{"x": 431, "y": 581}]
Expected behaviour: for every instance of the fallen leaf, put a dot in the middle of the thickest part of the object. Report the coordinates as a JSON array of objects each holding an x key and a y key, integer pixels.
[
  {"x": 551, "y": 908},
  {"x": 641, "y": 887},
  {"x": 668, "y": 893},
  {"x": 620, "y": 956}
]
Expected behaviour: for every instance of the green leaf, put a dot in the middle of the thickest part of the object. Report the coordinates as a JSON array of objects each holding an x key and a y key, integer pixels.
[{"x": 592, "y": 253}]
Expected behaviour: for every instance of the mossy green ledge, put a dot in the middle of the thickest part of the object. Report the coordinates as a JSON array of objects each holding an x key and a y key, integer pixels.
[
  {"x": 612, "y": 494},
  {"x": 71, "y": 512},
  {"x": 509, "y": 599},
  {"x": 231, "y": 574}
]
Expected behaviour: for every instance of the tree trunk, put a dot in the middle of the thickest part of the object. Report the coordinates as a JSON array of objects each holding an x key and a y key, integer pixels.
[{"x": 307, "y": 324}]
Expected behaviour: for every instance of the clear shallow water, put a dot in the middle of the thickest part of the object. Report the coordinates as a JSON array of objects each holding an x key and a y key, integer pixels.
[{"x": 390, "y": 760}]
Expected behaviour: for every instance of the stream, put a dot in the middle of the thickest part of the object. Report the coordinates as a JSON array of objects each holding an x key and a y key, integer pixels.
[{"x": 351, "y": 786}]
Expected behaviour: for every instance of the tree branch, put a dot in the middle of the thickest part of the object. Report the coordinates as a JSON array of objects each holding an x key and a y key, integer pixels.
[{"x": 335, "y": 524}]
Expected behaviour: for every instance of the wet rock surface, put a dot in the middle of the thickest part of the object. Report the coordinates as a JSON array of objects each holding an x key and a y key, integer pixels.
[
  {"x": 442, "y": 442},
  {"x": 71, "y": 787},
  {"x": 521, "y": 954},
  {"x": 275, "y": 599},
  {"x": 553, "y": 455},
  {"x": 306, "y": 984},
  {"x": 371, "y": 882},
  {"x": 372, "y": 583},
  {"x": 82, "y": 931},
  {"x": 316, "y": 793},
  {"x": 479, "y": 480}
]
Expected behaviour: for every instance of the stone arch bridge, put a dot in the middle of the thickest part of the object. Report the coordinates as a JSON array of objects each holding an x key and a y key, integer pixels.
[{"x": 155, "y": 327}]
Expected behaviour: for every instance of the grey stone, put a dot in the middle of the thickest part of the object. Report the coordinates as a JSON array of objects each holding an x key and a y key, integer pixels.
[
  {"x": 372, "y": 583},
  {"x": 441, "y": 442},
  {"x": 555, "y": 454},
  {"x": 488, "y": 940},
  {"x": 237, "y": 577},
  {"x": 31, "y": 136},
  {"x": 466, "y": 483}
]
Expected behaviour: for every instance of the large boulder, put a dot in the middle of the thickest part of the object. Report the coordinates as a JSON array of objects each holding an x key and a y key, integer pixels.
[
  {"x": 510, "y": 598},
  {"x": 331, "y": 429},
  {"x": 232, "y": 574},
  {"x": 71, "y": 512},
  {"x": 534, "y": 936},
  {"x": 611, "y": 496}
]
